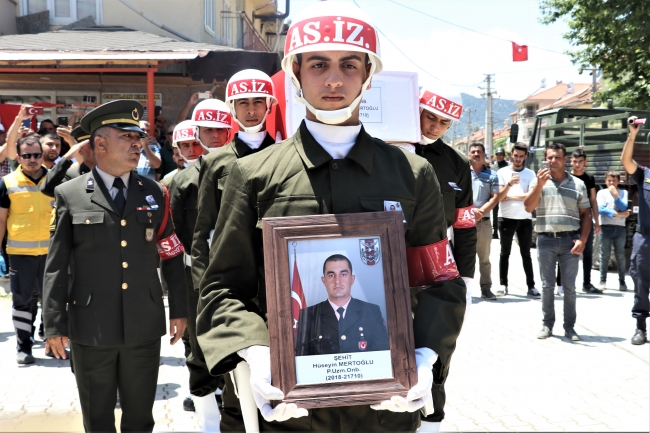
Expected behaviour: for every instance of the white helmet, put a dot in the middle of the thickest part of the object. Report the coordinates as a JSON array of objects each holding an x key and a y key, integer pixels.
[
  {"x": 184, "y": 131},
  {"x": 450, "y": 106},
  {"x": 211, "y": 113},
  {"x": 331, "y": 26},
  {"x": 250, "y": 83}
]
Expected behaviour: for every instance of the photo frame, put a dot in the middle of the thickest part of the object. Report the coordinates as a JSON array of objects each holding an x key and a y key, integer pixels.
[{"x": 314, "y": 266}]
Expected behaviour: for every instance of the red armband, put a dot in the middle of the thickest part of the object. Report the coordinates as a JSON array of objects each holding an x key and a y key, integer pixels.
[
  {"x": 431, "y": 264},
  {"x": 170, "y": 247},
  {"x": 465, "y": 218}
]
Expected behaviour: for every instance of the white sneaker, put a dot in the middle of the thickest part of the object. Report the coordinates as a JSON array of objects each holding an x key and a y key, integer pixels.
[
  {"x": 559, "y": 291},
  {"x": 503, "y": 290}
]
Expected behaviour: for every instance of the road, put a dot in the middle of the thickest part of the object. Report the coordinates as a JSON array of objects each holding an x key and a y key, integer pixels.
[{"x": 502, "y": 377}]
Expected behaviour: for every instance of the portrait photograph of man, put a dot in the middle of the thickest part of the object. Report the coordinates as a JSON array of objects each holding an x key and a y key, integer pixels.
[{"x": 342, "y": 323}]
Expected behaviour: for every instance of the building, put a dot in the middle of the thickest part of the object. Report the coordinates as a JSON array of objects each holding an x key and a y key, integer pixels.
[
  {"x": 72, "y": 55},
  {"x": 560, "y": 95}
]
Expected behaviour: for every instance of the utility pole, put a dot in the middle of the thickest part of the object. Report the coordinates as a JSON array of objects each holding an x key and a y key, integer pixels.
[
  {"x": 469, "y": 128},
  {"x": 488, "y": 114},
  {"x": 594, "y": 86}
]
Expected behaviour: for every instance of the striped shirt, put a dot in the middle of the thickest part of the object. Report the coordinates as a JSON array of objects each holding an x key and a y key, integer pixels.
[{"x": 559, "y": 206}]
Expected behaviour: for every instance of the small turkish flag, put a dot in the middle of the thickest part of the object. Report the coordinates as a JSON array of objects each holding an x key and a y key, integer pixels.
[
  {"x": 298, "y": 301},
  {"x": 519, "y": 53}
]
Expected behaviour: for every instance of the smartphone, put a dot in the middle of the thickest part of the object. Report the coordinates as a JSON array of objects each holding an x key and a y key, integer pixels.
[
  {"x": 27, "y": 123},
  {"x": 35, "y": 110},
  {"x": 203, "y": 95},
  {"x": 545, "y": 165},
  {"x": 63, "y": 120}
]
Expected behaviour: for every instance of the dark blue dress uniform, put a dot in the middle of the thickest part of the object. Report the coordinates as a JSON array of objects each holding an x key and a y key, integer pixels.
[
  {"x": 361, "y": 329},
  {"x": 640, "y": 259}
]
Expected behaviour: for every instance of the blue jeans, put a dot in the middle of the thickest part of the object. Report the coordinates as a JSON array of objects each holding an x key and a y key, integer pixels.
[
  {"x": 551, "y": 251},
  {"x": 612, "y": 235}
]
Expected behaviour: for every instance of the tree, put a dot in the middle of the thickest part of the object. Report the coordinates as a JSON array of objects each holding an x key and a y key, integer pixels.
[{"x": 613, "y": 34}]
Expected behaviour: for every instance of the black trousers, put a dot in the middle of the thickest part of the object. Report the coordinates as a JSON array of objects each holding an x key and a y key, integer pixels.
[
  {"x": 587, "y": 261},
  {"x": 524, "y": 230},
  {"x": 103, "y": 371},
  {"x": 495, "y": 218},
  {"x": 201, "y": 382},
  {"x": 640, "y": 273},
  {"x": 26, "y": 282}
]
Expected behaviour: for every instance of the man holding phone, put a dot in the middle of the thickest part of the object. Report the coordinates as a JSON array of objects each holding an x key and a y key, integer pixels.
[{"x": 563, "y": 225}]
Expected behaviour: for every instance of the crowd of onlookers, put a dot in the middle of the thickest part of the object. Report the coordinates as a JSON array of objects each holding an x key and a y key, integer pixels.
[{"x": 567, "y": 217}]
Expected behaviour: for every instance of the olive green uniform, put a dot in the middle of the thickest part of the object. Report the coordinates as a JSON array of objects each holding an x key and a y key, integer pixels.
[
  {"x": 298, "y": 177},
  {"x": 453, "y": 172},
  {"x": 114, "y": 313},
  {"x": 184, "y": 193},
  {"x": 60, "y": 173},
  {"x": 212, "y": 178}
]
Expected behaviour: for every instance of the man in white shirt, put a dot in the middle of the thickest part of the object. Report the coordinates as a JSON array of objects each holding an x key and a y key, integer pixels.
[
  {"x": 514, "y": 182},
  {"x": 613, "y": 210}
]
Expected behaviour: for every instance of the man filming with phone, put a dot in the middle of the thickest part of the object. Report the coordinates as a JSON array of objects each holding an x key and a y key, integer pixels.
[{"x": 563, "y": 225}]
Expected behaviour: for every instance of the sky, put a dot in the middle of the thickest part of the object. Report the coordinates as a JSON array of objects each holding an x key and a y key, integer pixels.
[{"x": 454, "y": 60}]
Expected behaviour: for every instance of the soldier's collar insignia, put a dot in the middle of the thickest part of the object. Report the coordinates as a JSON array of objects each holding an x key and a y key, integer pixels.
[
  {"x": 90, "y": 183},
  {"x": 140, "y": 183},
  {"x": 135, "y": 114}
]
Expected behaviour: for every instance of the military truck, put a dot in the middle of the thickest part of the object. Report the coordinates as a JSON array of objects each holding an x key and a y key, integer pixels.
[{"x": 601, "y": 132}]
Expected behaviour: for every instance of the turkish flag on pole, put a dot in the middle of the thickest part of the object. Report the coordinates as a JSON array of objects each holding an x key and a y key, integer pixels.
[
  {"x": 519, "y": 53},
  {"x": 298, "y": 301}
]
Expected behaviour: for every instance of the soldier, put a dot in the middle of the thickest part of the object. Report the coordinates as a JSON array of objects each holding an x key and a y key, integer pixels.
[
  {"x": 249, "y": 96},
  {"x": 184, "y": 192},
  {"x": 639, "y": 270},
  {"x": 331, "y": 165},
  {"x": 114, "y": 225},
  {"x": 64, "y": 170},
  {"x": 437, "y": 114}
]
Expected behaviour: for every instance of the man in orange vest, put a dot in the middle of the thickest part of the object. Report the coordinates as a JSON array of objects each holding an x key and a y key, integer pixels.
[{"x": 25, "y": 216}]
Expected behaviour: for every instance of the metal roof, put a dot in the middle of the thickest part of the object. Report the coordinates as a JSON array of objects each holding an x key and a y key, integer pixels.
[{"x": 98, "y": 44}]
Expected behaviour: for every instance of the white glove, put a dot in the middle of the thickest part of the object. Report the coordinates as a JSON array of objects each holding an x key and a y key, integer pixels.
[
  {"x": 259, "y": 359},
  {"x": 469, "y": 282},
  {"x": 419, "y": 396}
]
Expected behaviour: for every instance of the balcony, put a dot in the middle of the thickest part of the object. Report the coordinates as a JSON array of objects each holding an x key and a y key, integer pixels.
[{"x": 239, "y": 32}]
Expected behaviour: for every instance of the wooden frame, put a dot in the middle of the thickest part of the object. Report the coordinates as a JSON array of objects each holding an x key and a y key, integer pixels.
[{"x": 388, "y": 227}]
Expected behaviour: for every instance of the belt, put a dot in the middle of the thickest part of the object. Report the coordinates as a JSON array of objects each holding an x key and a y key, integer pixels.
[
  {"x": 643, "y": 230},
  {"x": 558, "y": 234}
]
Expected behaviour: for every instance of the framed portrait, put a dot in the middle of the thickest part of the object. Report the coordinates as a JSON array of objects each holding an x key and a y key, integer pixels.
[{"x": 339, "y": 311}]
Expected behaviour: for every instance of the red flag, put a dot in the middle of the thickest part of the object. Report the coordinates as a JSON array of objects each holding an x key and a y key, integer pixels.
[
  {"x": 298, "y": 301},
  {"x": 519, "y": 53},
  {"x": 275, "y": 121}
]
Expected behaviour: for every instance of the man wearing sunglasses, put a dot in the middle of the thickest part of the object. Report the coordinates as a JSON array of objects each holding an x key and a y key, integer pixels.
[{"x": 25, "y": 215}]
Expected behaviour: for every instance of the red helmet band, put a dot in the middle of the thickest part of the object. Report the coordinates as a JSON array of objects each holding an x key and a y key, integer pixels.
[
  {"x": 441, "y": 104},
  {"x": 331, "y": 30}
]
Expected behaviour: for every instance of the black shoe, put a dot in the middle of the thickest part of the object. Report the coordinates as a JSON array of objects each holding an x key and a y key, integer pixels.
[
  {"x": 640, "y": 337},
  {"x": 495, "y": 236},
  {"x": 534, "y": 293},
  {"x": 622, "y": 286},
  {"x": 24, "y": 358},
  {"x": 572, "y": 334},
  {"x": 591, "y": 289},
  {"x": 487, "y": 294},
  {"x": 188, "y": 405}
]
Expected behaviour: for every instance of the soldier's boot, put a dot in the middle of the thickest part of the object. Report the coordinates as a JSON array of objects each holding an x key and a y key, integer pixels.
[{"x": 207, "y": 413}]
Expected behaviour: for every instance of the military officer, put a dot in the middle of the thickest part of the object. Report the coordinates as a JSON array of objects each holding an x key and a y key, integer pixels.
[
  {"x": 183, "y": 191},
  {"x": 639, "y": 270},
  {"x": 115, "y": 227},
  {"x": 64, "y": 170},
  {"x": 249, "y": 96},
  {"x": 341, "y": 324},
  {"x": 331, "y": 165}
]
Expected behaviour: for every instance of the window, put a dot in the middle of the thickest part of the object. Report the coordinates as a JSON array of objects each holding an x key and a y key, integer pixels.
[
  {"x": 64, "y": 12},
  {"x": 209, "y": 16},
  {"x": 226, "y": 24},
  {"x": 530, "y": 110}
]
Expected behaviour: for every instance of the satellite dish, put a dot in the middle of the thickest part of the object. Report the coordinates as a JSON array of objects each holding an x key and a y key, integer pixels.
[
  {"x": 570, "y": 88},
  {"x": 543, "y": 85}
]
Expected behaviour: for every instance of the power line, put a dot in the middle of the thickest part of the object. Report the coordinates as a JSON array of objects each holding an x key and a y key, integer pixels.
[
  {"x": 412, "y": 61},
  {"x": 468, "y": 29}
]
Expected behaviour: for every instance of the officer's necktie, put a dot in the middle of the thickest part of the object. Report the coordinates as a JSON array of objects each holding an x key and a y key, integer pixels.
[
  {"x": 119, "y": 199},
  {"x": 340, "y": 310}
]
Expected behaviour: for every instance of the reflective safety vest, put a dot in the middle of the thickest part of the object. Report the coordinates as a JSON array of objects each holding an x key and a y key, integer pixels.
[{"x": 28, "y": 222}]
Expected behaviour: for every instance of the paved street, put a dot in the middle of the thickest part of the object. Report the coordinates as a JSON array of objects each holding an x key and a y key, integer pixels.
[{"x": 502, "y": 377}]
